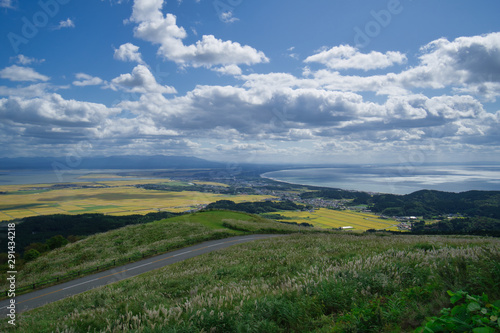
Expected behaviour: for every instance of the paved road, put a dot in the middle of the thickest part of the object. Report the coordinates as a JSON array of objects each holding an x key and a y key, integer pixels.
[{"x": 44, "y": 296}]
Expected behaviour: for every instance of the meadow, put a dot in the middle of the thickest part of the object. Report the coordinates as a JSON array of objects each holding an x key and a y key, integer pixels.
[
  {"x": 297, "y": 283},
  {"x": 107, "y": 197},
  {"x": 132, "y": 241},
  {"x": 328, "y": 218}
]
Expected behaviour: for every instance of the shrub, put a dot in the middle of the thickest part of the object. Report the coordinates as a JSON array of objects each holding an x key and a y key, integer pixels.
[
  {"x": 470, "y": 314},
  {"x": 31, "y": 254}
]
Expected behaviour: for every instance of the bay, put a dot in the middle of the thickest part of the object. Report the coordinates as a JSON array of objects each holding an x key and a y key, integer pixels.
[{"x": 396, "y": 179}]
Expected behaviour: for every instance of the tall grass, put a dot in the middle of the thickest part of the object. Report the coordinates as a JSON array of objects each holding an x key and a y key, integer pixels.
[
  {"x": 132, "y": 241},
  {"x": 297, "y": 283}
]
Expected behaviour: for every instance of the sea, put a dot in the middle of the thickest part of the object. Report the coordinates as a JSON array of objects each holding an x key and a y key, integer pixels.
[{"x": 396, "y": 179}]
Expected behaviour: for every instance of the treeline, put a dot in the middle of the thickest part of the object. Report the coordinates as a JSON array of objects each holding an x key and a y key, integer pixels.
[
  {"x": 473, "y": 225},
  {"x": 39, "y": 229},
  {"x": 336, "y": 194},
  {"x": 426, "y": 203},
  {"x": 257, "y": 207},
  {"x": 429, "y": 204}
]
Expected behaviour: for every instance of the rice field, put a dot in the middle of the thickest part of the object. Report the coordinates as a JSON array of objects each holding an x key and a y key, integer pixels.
[
  {"x": 107, "y": 197},
  {"x": 327, "y": 218}
]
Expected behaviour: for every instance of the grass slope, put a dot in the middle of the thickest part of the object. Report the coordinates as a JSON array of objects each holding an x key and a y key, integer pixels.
[
  {"x": 297, "y": 283},
  {"x": 134, "y": 240}
]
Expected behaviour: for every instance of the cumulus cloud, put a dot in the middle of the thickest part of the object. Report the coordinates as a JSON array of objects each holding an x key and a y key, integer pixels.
[
  {"x": 154, "y": 27},
  {"x": 128, "y": 52},
  {"x": 228, "y": 70},
  {"x": 469, "y": 64},
  {"x": 53, "y": 109},
  {"x": 348, "y": 57},
  {"x": 87, "y": 80},
  {"x": 19, "y": 73},
  {"x": 312, "y": 114},
  {"x": 320, "y": 112},
  {"x": 142, "y": 81},
  {"x": 33, "y": 90}
]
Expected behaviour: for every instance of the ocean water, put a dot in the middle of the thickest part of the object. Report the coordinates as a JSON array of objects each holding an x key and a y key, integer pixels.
[{"x": 396, "y": 179}]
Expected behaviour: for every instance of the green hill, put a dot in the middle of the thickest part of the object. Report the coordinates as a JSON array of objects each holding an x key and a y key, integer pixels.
[
  {"x": 296, "y": 283},
  {"x": 429, "y": 203},
  {"x": 134, "y": 240},
  {"x": 305, "y": 282}
]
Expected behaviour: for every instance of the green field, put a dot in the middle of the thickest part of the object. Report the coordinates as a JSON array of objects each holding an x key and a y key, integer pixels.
[{"x": 327, "y": 218}]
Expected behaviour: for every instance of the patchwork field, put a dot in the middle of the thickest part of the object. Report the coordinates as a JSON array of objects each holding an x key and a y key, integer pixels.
[
  {"x": 327, "y": 218},
  {"x": 107, "y": 197}
]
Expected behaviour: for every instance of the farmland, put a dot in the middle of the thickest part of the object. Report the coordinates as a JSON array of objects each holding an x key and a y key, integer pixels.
[
  {"x": 117, "y": 197},
  {"x": 327, "y": 218}
]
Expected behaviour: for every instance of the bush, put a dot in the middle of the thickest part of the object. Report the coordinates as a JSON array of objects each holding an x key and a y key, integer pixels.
[
  {"x": 470, "y": 314},
  {"x": 56, "y": 241},
  {"x": 31, "y": 255}
]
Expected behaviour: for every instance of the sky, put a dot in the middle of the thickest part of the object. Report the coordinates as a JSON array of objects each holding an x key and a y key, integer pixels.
[{"x": 284, "y": 81}]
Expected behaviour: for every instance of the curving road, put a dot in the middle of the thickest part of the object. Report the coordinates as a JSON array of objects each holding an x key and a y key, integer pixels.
[{"x": 51, "y": 294}]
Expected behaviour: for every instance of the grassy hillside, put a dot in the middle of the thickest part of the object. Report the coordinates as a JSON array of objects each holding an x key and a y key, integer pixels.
[
  {"x": 295, "y": 283},
  {"x": 134, "y": 240}
]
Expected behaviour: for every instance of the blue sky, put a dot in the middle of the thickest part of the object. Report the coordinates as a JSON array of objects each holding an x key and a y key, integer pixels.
[{"x": 325, "y": 81}]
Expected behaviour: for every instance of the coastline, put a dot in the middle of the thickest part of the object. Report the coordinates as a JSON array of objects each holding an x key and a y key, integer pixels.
[{"x": 393, "y": 179}]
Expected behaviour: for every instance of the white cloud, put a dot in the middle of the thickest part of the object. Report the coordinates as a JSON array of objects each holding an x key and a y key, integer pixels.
[
  {"x": 18, "y": 73},
  {"x": 53, "y": 109},
  {"x": 348, "y": 57},
  {"x": 87, "y": 80},
  {"x": 227, "y": 17},
  {"x": 291, "y": 54},
  {"x": 154, "y": 27},
  {"x": 128, "y": 52},
  {"x": 469, "y": 64},
  {"x": 68, "y": 23},
  {"x": 30, "y": 91},
  {"x": 142, "y": 81},
  {"x": 23, "y": 60},
  {"x": 320, "y": 112},
  {"x": 228, "y": 70}
]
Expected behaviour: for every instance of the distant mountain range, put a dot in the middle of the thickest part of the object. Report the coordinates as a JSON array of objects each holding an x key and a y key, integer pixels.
[{"x": 110, "y": 162}]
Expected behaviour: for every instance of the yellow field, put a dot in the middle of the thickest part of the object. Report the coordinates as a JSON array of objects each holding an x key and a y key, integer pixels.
[
  {"x": 122, "y": 198},
  {"x": 327, "y": 218}
]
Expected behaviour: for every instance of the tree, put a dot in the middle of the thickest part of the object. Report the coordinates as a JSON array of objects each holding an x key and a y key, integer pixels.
[
  {"x": 31, "y": 254},
  {"x": 40, "y": 247},
  {"x": 418, "y": 226},
  {"x": 56, "y": 241}
]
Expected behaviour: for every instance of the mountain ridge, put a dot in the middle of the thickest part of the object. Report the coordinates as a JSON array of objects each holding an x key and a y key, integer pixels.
[{"x": 109, "y": 162}]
